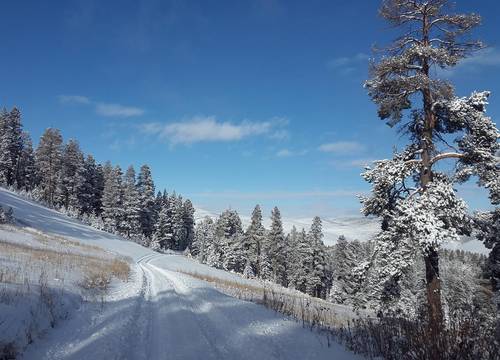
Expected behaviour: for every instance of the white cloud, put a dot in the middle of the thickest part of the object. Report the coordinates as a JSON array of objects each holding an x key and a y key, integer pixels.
[
  {"x": 75, "y": 99},
  {"x": 103, "y": 109},
  {"x": 289, "y": 153},
  {"x": 355, "y": 163},
  {"x": 284, "y": 153},
  {"x": 489, "y": 57},
  {"x": 346, "y": 65},
  {"x": 209, "y": 129},
  {"x": 117, "y": 110},
  {"x": 342, "y": 147}
]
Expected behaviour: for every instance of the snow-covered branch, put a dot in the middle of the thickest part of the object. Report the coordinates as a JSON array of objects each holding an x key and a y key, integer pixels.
[{"x": 449, "y": 155}]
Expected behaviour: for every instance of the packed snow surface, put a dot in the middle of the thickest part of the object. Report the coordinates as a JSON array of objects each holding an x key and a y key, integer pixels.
[{"x": 161, "y": 313}]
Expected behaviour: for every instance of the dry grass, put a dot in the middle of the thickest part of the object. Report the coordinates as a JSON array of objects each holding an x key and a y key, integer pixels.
[
  {"x": 312, "y": 312},
  {"x": 56, "y": 258},
  {"x": 42, "y": 275},
  {"x": 56, "y": 262}
]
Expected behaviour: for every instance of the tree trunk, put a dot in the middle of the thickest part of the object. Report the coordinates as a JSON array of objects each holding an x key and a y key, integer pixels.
[
  {"x": 431, "y": 257},
  {"x": 433, "y": 284}
]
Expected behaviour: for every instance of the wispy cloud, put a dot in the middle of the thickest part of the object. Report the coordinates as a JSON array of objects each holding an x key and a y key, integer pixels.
[
  {"x": 354, "y": 163},
  {"x": 489, "y": 57},
  {"x": 117, "y": 110},
  {"x": 73, "y": 99},
  {"x": 289, "y": 153},
  {"x": 101, "y": 108},
  {"x": 209, "y": 129},
  {"x": 348, "y": 64},
  {"x": 342, "y": 147}
]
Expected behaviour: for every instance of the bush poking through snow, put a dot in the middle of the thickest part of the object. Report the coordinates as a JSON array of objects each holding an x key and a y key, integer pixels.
[
  {"x": 6, "y": 216},
  {"x": 96, "y": 282}
]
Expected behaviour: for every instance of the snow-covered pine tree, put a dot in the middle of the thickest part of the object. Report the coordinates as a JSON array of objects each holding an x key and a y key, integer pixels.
[
  {"x": 235, "y": 257},
  {"x": 418, "y": 205},
  {"x": 146, "y": 188},
  {"x": 26, "y": 169},
  {"x": 163, "y": 237},
  {"x": 112, "y": 199},
  {"x": 488, "y": 230},
  {"x": 293, "y": 258},
  {"x": 303, "y": 256},
  {"x": 224, "y": 251},
  {"x": 188, "y": 224},
  {"x": 10, "y": 145},
  {"x": 70, "y": 175},
  {"x": 253, "y": 240},
  {"x": 204, "y": 234},
  {"x": 274, "y": 260},
  {"x": 48, "y": 158},
  {"x": 88, "y": 187},
  {"x": 344, "y": 261},
  {"x": 177, "y": 210},
  {"x": 318, "y": 276},
  {"x": 131, "y": 206}
]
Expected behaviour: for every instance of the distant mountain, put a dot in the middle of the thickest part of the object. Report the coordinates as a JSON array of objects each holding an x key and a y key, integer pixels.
[{"x": 352, "y": 227}]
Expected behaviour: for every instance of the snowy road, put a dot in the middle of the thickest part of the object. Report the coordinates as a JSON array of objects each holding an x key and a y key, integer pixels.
[{"x": 163, "y": 314}]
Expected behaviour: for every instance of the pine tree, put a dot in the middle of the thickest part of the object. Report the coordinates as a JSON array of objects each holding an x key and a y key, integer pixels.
[
  {"x": 131, "y": 205},
  {"x": 26, "y": 173},
  {"x": 146, "y": 188},
  {"x": 163, "y": 237},
  {"x": 112, "y": 200},
  {"x": 204, "y": 235},
  {"x": 224, "y": 252},
  {"x": 274, "y": 264},
  {"x": 70, "y": 175},
  {"x": 88, "y": 188},
  {"x": 294, "y": 257},
  {"x": 48, "y": 163},
  {"x": 177, "y": 213},
  {"x": 317, "y": 281},
  {"x": 254, "y": 239},
  {"x": 488, "y": 230},
  {"x": 345, "y": 259},
  {"x": 10, "y": 145},
  {"x": 303, "y": 257},
  {"x": 417, "y": 202},
  {"x": 234, "y": 256},
  {"x": 188, "y": 223}
]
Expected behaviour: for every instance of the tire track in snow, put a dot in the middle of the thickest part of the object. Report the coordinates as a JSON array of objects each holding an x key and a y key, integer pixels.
[{"x": 183, "y": 327}]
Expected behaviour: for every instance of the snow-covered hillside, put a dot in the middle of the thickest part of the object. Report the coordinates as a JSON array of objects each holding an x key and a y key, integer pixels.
[{"x": 161, "y": 313}]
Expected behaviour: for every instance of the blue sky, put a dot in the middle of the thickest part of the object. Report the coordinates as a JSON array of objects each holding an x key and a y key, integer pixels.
[{"x": 232, "y": 103}]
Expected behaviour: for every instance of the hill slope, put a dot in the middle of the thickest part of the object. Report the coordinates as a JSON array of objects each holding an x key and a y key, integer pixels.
[{"x": 161, "y": 313}]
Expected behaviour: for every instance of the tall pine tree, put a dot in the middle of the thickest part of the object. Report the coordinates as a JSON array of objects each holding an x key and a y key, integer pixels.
[
  {"x": 411, "y": 193},
  {"x": 48, "y": 163}
]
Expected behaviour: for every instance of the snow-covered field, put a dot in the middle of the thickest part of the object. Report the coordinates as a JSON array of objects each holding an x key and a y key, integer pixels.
[
  {"x": 160, "y": 312},
  {"x": 43, "y": 279}
]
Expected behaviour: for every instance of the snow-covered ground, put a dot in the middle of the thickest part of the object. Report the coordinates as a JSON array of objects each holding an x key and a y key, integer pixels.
[{"x": 161, "y": 313}]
